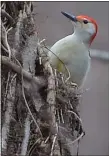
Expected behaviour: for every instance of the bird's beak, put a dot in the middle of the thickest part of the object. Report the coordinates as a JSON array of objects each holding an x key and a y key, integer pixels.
[{"x": 71, "y": 17}]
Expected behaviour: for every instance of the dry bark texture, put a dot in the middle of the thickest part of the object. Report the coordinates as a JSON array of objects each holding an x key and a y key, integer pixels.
[{"x": 40, "y": 113}]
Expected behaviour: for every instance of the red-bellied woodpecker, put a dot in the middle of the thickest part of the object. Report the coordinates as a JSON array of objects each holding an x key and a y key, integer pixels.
[{"x": 72, "y": 52}]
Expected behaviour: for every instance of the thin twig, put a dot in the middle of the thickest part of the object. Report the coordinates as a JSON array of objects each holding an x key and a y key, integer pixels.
[
  {"x": 78, "y": 148},
  {"x": 32, "y": 147},
  {"x": 5, "y": 40},
  {"x": 53, "y": 144},
  {"x": 54, "y": 141},
  {"x": 26, "y": 137},
  {"x": 80, "y": 120},
  {"x": 77, "y": 139},
  {"x": 9, "y": 29},
  {"x": 82, "y": 134},
  {"x": 62, "y": 116},
  {"x": 47, "y": 139}
]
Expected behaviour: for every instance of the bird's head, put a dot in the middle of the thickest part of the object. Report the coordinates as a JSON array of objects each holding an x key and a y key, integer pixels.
[{"x": 85, "y": 27}]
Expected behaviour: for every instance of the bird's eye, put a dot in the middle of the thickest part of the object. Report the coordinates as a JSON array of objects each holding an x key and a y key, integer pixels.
[{"x": 85, "y": 21}]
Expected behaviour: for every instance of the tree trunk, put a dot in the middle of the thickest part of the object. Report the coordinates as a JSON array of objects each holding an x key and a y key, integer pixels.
[{"x": 39, "y": 111}]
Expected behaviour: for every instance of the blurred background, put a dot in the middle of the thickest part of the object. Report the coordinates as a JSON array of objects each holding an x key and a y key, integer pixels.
[{"x": 52, "y": 26}]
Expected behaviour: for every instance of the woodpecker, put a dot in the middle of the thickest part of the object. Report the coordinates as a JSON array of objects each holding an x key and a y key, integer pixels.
[{"x": 72, "y": 52}]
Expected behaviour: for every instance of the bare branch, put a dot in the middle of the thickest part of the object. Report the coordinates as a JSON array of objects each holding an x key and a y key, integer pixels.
[{"x": 29, "y": 77}]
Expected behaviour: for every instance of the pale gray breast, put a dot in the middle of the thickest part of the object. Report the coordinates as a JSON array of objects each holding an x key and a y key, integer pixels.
[
  {"x": 78, "y": 67},
  {"x": 75, "y": 56}
]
